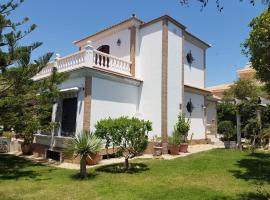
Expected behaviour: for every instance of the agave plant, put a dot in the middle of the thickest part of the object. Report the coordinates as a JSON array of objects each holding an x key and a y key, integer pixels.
[{"x": 84, "y": 144}]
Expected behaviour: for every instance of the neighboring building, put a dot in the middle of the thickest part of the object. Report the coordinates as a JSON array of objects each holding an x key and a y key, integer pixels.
[
  {"x": 218, "y": 90},
  {"x": 151, "y": 70},
  {"x": 245, "y": 73}
]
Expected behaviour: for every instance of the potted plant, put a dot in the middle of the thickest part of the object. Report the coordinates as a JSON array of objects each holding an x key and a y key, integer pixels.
[
  {"x": 227, "y": 129},
  {"x": 182, "y": 127},
  {"x": 174, "y": 142},
  {"x": 93, "y": 159},
  {"x": 27, "y": 143},
  {"x": 157, "y": 145}
]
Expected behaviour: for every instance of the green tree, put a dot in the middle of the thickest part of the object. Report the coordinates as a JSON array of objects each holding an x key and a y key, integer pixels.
[
  {"x": 129, "y": 135},
  {"x": 83, "y": 145},
  {"x": 243, "y": 89},
  {"x": 257, "y": 46},
  {"x": 204, "y": 3},
  {"x": 227, "y": 129},
  {"x": 226, "y": 111},
  {"x": 24, "y": 103},
  {"x": 182, "y": 127}
]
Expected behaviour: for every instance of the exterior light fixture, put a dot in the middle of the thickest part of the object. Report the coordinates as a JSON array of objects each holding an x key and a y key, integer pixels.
[
  {"x": 190, "y": 58},
  {"x": 190, "y": 106},
  {"x": 118, "y": 42}
]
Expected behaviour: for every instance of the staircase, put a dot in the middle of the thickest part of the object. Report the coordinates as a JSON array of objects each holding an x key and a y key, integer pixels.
[
  {"x": 215, "y": 139},
  {"x": 211, "y": 134}
]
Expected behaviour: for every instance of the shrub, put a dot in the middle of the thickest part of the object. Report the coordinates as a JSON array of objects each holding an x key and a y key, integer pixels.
[
  {"x": 227, "y": 129},
  {"x": 252, "y": 130},
  {"x": 175, "y": 139},
  {"x": 83, "y": 144},
  {"x": 226, "y": 111},
  {"x": 128, "y": 134},
  {"x": 264, "y": 136},
  {"x": 182, "y": 127},
  {"x": 8, "y": 134}
]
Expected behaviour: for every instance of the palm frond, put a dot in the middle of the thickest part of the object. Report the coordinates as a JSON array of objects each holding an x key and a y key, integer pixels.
[{"x": 84, "y": 143}]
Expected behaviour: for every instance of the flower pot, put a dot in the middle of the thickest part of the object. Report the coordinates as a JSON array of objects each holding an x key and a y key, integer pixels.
[
  {"x": 174, "y": 149},
  {"x": 94, "y": 160},
  {"x": 230, "y": 144},
  {"x": 26, "y": 149},
  {"x": 183, "y": 148},
  {"x": 157, "y": 151}
]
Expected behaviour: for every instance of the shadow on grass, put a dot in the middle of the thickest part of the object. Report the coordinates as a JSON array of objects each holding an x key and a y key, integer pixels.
[
  {"x": 14, "y": 167},
  {"x": 245, "y": 196},
  {"x": 77, "y": 176},
  {"x": 119, "y": 168},
  {"x": 255, "y": 167}
]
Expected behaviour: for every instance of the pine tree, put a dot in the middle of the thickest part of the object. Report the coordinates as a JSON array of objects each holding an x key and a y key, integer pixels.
[{"x": 25, "y": 105}]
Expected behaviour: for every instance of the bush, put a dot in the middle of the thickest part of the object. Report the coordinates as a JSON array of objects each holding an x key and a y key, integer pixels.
[
  {"x": 227, "y": 129},
  {"x": 129, "y": 135},
  {"x": 226, "y": 112},
  {"x": 83, "y": 144},
  {"x": 182, "y": 127},
  {"x": 8, "y": 134}
]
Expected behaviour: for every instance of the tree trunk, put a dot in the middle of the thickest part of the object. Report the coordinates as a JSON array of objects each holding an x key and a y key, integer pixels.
[
  {"x": 126, "y": 164},
  {"x": 238, "y": 125},
  {"x": 83, "y": 172}
]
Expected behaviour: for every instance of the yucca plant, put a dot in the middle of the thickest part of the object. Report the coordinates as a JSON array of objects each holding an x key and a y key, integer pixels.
[{"x": 84, "y": 144}]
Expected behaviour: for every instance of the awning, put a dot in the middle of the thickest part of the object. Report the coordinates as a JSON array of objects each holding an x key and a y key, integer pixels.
[{"x": 69, "y": 92}]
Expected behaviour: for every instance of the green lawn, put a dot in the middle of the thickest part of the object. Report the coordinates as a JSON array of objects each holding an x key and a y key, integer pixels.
[{"x": 216, "y": 175}]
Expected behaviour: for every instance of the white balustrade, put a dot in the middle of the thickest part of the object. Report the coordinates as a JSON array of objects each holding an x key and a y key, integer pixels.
[
  {"x": 111, "y": 63},
  {"x": 86, "y": 58}
]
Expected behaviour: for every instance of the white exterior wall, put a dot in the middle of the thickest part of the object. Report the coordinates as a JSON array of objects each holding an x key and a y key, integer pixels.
[
  {"x": 122, "y": 51},
  {"x": 194, "y": 73},
  {"x": 77, "y": 82},
  {"x": 174, "y": 74},
  {"x": 149, "y": 69},
  {"x": 112, "y": 99},
  {"x": 197, "y": 116}
]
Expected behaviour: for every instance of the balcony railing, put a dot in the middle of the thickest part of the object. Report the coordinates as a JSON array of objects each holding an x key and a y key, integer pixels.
[{"x": 86, "y": 58}]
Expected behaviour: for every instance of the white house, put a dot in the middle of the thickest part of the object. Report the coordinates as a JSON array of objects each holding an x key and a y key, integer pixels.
[{"x": 152, "y": 70}]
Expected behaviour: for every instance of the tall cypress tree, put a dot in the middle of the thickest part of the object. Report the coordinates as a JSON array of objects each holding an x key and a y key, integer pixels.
[{"x": 25, "y": 105}]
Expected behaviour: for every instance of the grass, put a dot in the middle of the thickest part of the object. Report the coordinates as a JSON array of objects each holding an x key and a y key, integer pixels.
[{"x": 214, "y": 175}]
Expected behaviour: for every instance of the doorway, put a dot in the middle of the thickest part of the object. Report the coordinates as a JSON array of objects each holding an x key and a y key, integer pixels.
[{"x": 69, "y": 115}]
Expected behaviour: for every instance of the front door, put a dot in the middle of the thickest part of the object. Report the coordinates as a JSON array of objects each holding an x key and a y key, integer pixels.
[{"x": 69, "y": 113}]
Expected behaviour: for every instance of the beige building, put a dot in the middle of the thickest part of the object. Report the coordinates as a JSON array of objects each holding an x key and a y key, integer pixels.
[{"x": 246, "y": 72}]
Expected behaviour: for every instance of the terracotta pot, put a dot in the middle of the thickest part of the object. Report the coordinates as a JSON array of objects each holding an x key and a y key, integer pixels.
[
  {"x": 183, "y": 148},
  {"x": 95, "y": 158},
  {"x": 174, "y": 149},
  {"x": 26, "y": 149}
]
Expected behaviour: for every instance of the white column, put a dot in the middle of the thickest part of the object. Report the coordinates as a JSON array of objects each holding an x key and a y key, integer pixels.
[
  {"x": 55, "y": 61},
  {"x": 89, "y": 54}
]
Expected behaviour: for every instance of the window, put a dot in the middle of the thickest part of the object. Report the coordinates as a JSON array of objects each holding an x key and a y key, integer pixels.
[{"x": 104, "y": 49}]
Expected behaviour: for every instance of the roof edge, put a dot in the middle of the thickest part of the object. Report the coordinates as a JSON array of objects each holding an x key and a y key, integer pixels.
[
  {"x": 196, "y": 38},
  {"x": 162, "y": 18},
  {"x": 108, "y": 28}
]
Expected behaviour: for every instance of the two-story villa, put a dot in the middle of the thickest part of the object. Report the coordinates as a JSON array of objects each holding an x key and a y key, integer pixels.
[{"x": 151, "y": 70}]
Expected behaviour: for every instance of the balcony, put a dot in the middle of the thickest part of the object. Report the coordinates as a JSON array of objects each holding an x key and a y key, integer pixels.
[{"x": 89, "y": 58}]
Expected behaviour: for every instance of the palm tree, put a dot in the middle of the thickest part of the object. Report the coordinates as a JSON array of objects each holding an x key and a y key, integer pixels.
[{"x": 84, "y": 144}]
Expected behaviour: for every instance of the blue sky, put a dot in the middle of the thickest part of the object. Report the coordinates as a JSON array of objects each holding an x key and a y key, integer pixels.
[{"x": 60, "y": 22}]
